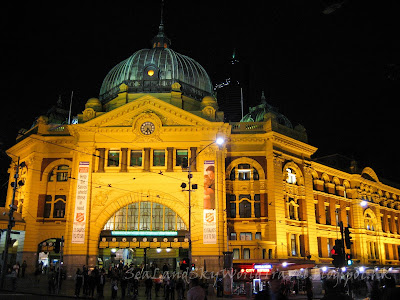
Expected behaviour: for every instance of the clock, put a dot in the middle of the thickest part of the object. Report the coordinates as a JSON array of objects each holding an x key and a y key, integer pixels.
[{"x": 147, "y": 128}]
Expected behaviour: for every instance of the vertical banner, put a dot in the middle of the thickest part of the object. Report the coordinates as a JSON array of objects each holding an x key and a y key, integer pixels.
[
  {"x": 209, "y": 215},
  {"x": 209, "y": 227},
  {"x": 209, "y": 184},
  {"x": 78, "y": 229}
]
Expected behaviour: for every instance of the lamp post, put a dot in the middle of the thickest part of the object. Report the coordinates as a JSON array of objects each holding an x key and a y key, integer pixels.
[
  {"x": 11, "y": 224},
  {"x": 219, "y": 141}
]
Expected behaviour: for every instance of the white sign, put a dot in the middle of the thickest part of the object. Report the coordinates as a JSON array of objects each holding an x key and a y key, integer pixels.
[
  {"x": 78, "y": 229},
  {"x": 209, "y": 227}
]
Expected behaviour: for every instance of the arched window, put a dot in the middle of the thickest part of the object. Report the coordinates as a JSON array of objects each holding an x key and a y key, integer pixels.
[
  {"x": 245, "y": 209},
  {"x": 59, "y": 173},
  {"x": 146, "y": 216}
]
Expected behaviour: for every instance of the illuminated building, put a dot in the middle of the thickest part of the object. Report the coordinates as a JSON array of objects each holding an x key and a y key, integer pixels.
[{"x": 112, "y": 184}]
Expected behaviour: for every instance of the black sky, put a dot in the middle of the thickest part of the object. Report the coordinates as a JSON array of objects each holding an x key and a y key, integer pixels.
[{"x": 337, "y": 74}]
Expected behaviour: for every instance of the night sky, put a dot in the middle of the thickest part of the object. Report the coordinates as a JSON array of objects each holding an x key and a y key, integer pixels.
[{"x": 336, "y": 72}]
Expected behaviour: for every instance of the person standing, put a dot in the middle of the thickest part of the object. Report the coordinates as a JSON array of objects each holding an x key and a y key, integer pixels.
[
  {"x": 101, "y": 281},
  {"x": 78, "y": 282},
  {"x": 309, "y": 288},
  {"x": 196, "y": 292},
  {"x": 149, "y": 284},
  {"x": 114, "y": 287},
  {"x": 23, "y": 267}
]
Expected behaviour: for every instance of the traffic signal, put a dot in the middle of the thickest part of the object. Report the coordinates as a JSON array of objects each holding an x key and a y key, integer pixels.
[
  {"x": 347, "y": 237},
  {"x": 338, "y": 254},
  {"x": 184, "y": 264},
  {"x": 193, "y": 267},
  {"x": 349, "y": 259},
  {"x": 57, "y": 246}
]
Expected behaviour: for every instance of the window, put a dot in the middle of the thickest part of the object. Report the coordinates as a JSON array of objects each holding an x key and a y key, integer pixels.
[
  {"x": 136, "y": 158},
  {"x": 233, "y": 210},
  {"x": 113, "y": 158},
  {"x": 291, "y": 176},
  {"x": 236, "y": 253},
  {"x": 293, "y": 245},
  {"x": 246, "y": 253},
  {"x": 245, "y": 236},
  {"x": 245, "y": 209},
  {"x": 329, "y": 247},
  {"x": 258, "y": 236},
  {"x": 233, "y": 174},
  {"x": 232, "y": 236},
  {"x": 337, "y": 215},
  {"x": 158, "y": 158},
  {"x": 145, "y": 216},
  {"x": 292, "y": 214},
  {"x": 244, "y": 171},
  {"x": 59, "y": 209},
  {"x": 328, "y": 215},
  {"x": 182, "y": 158},
  {"x": 256, "y": 176},
  {"x": 60, "y": 173}
]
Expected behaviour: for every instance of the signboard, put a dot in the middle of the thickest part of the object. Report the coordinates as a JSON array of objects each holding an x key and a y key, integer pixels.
[
  {"x": 78, "y": 229},
  {"x": 209, "y": 227}
]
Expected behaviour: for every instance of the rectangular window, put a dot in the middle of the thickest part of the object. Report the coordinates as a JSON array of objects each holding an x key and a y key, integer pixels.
[
  {"x": 316, "y": 212},
  {"x": 258, "y": 236},
  {"x": 232, "y": 236},
  {"x": 348, "y": 217},
  {"x": 157, "y": 217},
  {"x": 182, "y": 158},
  {"x": 133, "y": 216},
  {"x": 293, "y": 244},
  {"x": 328, "y": 215},
  {"x": 113, "y": 158},
  {"x": 257, "y": 209},
  {"x": 233, "y": 210},
  {"x": 158, "y": 158},
  {"x": 236, "y": 253},
  {"x": 136, "y": 158},
  {"x": 329, "y": 246},
  {"x": 246, "y": 253},
  {"x": 245, "y": 236},
  {"x": 337, "y": 215},
  {"x": 145, "y": 213}
]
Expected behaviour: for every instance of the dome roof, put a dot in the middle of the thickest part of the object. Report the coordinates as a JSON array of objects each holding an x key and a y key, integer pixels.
[
  {"x": 155, "y": 70},
  {"x": 257, "y": 113}
]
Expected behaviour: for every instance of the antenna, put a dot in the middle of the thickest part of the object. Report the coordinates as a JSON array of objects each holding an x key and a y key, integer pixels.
[
  {"x": 162, "y": 12},
  {"x": 241, "y": 99},
  {"x": 70, "y": 108}
]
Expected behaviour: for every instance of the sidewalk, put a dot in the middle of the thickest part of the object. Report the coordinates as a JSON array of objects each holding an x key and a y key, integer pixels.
[{"x": 28, "y": 285}]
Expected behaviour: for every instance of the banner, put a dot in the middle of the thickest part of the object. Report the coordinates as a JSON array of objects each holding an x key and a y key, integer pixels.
[
  {"x": 78, "y": 229},
  {"x": 209, "y": 184},
  {"x": 209, "y": 227}
]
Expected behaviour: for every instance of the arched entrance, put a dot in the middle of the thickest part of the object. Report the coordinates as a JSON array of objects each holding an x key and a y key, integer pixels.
[{"x": 145, "y": 234}]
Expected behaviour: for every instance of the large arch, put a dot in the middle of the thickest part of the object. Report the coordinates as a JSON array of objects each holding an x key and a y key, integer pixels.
[{"x": 115, "y": 204}]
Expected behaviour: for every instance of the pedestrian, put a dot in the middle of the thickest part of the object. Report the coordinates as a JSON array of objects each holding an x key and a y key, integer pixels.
[
  {"x": 92, "y": 283},
  {"x": 101, "y": 281},
  {"x": 85, "y": 273},
  {"x": 51, "y": 280},
  {"x": 114, "y": 287},
  {"x": 196, "y": 292},
  {"x": 309, "y": 288},
  {"x": 23, "y": 267},
  {"x": 179, "y": 288},
  {"x": 149, "y": 284},
  {"x": 78, "y": 282}
]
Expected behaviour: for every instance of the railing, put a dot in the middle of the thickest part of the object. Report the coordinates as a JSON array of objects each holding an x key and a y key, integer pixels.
[{"x": 248, "y": 127}]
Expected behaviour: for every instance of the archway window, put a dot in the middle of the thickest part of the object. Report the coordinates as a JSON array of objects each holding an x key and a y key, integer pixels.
[
  {"x": 245, "y": 209},
  {"x": 244, "y": 171},
  {"x": 145, "y": 216}
]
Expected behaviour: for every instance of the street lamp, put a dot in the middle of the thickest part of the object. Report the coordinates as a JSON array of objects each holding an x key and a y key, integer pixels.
[{"x": 219, "y": 141}]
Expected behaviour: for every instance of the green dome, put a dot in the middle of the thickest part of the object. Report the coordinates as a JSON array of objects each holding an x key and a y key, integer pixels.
[
  {"x": 257, "y": 113},
  {"x": 154, "y": 71}
]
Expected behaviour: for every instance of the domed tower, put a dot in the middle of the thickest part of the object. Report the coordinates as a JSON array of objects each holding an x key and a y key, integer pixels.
[{"x": 155, "y": 70}]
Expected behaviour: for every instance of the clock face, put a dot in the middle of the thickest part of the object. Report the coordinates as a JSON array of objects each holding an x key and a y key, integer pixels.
[{"x": 147, "y": 128}]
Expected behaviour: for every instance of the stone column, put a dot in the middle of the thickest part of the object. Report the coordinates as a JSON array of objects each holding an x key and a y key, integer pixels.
[
  {"x": 170, "y": 159},
  {"x": 146, "y": 164},
  {"x": 124, "y": 160},
  {"x": 102, "y": 155}
]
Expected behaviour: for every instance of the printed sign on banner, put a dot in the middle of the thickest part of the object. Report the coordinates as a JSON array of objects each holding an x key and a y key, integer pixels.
[
  {"x": 209, "y": 227},
  {"x": 78, "y": 229}
]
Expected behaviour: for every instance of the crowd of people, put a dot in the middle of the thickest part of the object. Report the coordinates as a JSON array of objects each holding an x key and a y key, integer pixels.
[{"x": 124, "y": 282}]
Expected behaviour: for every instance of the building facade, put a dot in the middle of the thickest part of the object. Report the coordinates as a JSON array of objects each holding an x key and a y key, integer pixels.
[{"x": 139, "y": 178}]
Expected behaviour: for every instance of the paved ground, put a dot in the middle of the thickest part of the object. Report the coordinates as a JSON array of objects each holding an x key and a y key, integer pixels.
[{"x": 28, "y": 288}]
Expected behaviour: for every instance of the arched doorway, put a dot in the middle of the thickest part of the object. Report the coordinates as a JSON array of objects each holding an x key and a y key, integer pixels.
[{"x": 145, "y": 234}]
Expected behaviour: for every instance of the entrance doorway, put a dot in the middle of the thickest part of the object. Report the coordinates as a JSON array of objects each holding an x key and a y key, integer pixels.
[{"x": 143, "y": 258}]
